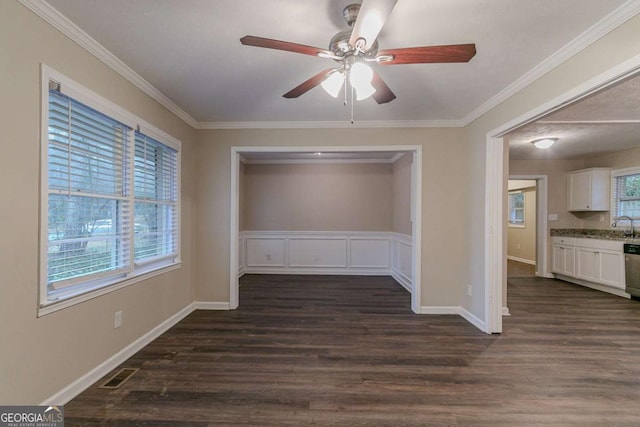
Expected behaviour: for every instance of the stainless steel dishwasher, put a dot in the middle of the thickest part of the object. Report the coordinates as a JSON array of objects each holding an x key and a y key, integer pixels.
[{"x": 632, "y": 269}]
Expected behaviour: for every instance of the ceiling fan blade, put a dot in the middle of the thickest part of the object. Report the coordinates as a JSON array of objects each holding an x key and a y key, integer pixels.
[
  {"x": 309, "y": 84},
  {"x": 371, "y": 19},
  {"x": 383, "y": 94},
  {"x": 430, "y": 54},
  {"x": 282, "y": 45}
]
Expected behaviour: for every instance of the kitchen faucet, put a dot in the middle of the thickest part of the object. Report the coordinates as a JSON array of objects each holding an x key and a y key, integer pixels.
[{"x": 631, "y": 232}]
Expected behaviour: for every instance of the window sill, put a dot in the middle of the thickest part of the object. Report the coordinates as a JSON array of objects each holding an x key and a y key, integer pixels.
[
  {"x": 71, "y": 300},
  {"x": 517, "y": 225}
]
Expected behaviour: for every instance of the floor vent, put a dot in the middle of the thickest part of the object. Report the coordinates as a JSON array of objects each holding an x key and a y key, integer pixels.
[{"x": 119, "y": 378}]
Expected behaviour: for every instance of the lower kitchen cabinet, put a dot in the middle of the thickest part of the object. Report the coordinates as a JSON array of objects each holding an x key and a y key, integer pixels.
[
  {"x": 587, "y": 264},
  {"x": 591, "y": 260},
  {"x": 611, "y": 266},
  {"x": 564, "y": 259}
]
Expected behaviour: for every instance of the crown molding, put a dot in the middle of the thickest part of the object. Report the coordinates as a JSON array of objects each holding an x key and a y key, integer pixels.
[
  {"x": 332, "y": 124},
  {"x": 595, "y": 32},
  {"x": 88, "y": 43},
  {"x": 318, "y": 161},
  {"x": 613, "y": 20}
]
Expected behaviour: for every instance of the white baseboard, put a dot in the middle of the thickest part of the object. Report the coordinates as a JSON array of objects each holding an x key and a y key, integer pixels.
[
  {"x": 319, "y": 271},
  {"x": 457, "y": 310},
  {"x": 525, "y": 261},
  {"x": 211, "y": 305},
  {"x": 471, "y": 318},
  {"x": 403, "y": 280},
  {"x": 87, "y": 380},
  {"x": 505, "y": 311},
  {"x": 428, "y": 309}
]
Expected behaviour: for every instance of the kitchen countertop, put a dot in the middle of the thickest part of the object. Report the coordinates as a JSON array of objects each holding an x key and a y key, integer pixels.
[{"x": 594, "y": 234}]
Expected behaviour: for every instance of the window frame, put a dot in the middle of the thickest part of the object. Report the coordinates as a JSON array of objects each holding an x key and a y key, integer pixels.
[
  {"x": 615, "y": 174},
  {"x": 100, "y": 284},
  {"x": 510, "y": 208}
]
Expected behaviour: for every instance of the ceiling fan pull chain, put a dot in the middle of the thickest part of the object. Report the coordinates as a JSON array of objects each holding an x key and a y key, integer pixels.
[{"x": 352, "y": 103}]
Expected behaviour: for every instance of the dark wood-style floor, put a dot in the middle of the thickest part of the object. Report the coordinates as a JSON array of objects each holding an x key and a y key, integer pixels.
[
  {"x": 347, "y": 351},
  {"x": 520, "y": 269}
]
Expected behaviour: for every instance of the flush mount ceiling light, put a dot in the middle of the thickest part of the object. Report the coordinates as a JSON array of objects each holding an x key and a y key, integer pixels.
[{"x": 544, "y": 143}]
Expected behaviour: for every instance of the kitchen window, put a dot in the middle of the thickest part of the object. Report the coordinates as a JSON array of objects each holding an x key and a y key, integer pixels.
[
  {"x": 625, "y": 192},
  {"x": 110, "y": 199},
  {"x": 516, "y": 209}
]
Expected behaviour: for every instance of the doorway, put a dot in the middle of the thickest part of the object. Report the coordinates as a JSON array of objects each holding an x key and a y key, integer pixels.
[
  {"x": 496, "y": 167},
  {"x": 416, "y": 206}
]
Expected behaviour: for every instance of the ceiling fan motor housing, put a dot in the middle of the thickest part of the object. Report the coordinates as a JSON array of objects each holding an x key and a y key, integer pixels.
[{"x": 340, "y": 46}]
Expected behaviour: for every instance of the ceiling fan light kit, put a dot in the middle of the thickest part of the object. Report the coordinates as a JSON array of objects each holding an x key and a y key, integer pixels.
[
  {"x": 355, "y": 49},
  {"x": 333, "y": 83},
  {"x": 544, "y": 143}
]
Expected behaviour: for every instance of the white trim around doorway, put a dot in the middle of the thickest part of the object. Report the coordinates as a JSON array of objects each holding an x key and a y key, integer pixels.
[
  {"x": 416, "y": 209},
  {"x": 495, "y": 221}
]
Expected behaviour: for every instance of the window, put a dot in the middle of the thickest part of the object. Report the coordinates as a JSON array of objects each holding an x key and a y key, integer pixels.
[
  {"x": 110, "y": 195},
  {"x": 625, "y": 193},
  {"x": 516, "y": 209}
]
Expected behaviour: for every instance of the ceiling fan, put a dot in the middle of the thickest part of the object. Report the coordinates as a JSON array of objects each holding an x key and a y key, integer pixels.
[{"x": 356, "y": 48}]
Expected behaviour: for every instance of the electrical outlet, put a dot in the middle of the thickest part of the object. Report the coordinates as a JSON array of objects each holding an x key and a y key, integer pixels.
[
  {"x": 117, "y": 319},
  {"x": 268, "y": 257},
  {"x": 469, "y": 290},
  {"x": 601, "y": 218},
  {"x": 518, "y": 245}
]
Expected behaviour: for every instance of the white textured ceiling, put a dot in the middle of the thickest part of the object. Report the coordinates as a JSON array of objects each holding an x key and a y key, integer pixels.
[
  {"x": 190, "y": 51},
  {"x": 604, "y": 122}
]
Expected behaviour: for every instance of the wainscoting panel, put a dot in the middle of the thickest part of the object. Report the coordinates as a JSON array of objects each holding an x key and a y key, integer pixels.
[
  {"x": 370, "y": 253},
  {"x": 265, "y": 252},
  {"x": 401, "y": 260},
  {"x": 317, "y": 252},
  {"x": 242, "y": 251},
  {"x": 326, "y": 252}
]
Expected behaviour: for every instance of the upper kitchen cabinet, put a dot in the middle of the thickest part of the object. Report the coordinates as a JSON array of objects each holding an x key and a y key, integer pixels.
[{"x": 588, "y": 189}]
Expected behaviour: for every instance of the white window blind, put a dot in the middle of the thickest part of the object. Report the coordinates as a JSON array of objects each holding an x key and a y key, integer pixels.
[
  {"x": 110, "y": 199},
  {"x": 156, "y": 199},
  {"x": 626, "y": 193},
  {"x": 89, "y": 209}
]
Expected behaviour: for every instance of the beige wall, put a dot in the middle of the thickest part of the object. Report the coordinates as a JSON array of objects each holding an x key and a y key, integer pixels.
[
  {"x": 618, "y": 46},
  {"x": 521, "y": 241},
  {"x": 318, "y": 197},
  {"x": 242, "y": 206},
  {"x": 75, "y": 340},
  {"x": 40, "y": 356},
  {"x": 402, "y": 195},
  {"x": 444, "y": 265}
]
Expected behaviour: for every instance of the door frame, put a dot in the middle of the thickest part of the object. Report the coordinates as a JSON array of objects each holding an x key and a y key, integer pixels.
[
  {"x": 416, "y": 208},
  {"x": 542, "y": 188},
  {"x": 496, "y": 172}
]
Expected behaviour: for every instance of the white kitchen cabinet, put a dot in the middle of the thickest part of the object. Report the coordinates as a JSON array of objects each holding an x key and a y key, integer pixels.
[
  {"x": 589, "y": 260},
  {"x": 611, "y": 266},
  {"x": 564, "y": 257},
  {"x": 588, "y": 189},
  {"x": 587, "y": 264}
]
